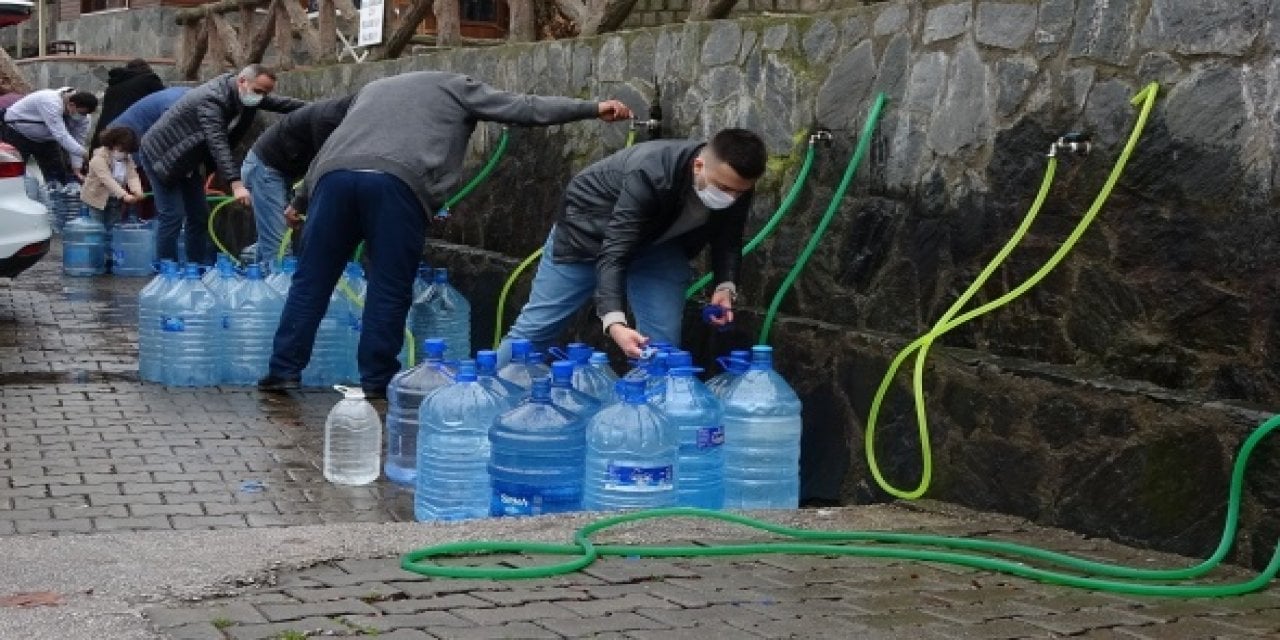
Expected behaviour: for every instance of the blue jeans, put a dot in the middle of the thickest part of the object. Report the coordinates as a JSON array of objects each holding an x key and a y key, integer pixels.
[
  {"x": 656, "y": 280},
  {"x": 180, "y": 203},
  {"x": 347, "y": 207},
  {"x": 269, "y": 189}
]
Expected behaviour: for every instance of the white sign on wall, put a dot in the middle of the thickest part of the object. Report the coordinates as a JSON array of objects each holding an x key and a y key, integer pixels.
[{"x": 371, "y": 14}]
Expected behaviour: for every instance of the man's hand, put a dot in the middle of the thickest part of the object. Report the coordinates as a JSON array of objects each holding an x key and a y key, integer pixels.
[
  {"x": 129, "y": 198},
  {"x": 293, "y": 218},
  {"x": 79, "y": 175},
  {"x": 614, "y": 110},
  {"x": 725, "y": 300},
  {"x": 241, "y": 194},
  {"x": 629, "y": 340}
]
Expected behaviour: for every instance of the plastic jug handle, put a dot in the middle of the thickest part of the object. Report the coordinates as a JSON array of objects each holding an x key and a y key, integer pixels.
[
  {"x": 725, "y": 361},
  {"x": 559, "y": 353}
]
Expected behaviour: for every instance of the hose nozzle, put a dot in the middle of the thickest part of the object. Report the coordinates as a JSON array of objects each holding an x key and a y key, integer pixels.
[
  {"x": 820, "y": 135},
  {"x": 1075, "y": 142}
]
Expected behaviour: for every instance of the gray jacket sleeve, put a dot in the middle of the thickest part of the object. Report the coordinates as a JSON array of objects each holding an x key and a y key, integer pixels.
[
  {"x": 622, "y": 238},
  {"x": 486, "y": 103}
]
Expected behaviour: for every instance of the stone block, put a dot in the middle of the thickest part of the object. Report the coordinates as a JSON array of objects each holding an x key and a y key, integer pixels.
[
  {"x": 946, "y": 22},
  {"x": 1005, "y": 25}
]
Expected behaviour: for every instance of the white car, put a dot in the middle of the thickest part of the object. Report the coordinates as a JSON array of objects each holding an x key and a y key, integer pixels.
[{"x": 24, "y": 223}]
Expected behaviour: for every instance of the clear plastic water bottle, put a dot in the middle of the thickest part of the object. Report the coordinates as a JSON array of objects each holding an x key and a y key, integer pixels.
[
  {"x": 151, "y": 322},
  {"x": 84, "y": 246},
  {"x": 328, "y": 355},
  {"x": 442, "y": 311},
  {"x": 536, "y": 464},
  {"x": 632, "y": 452},
  {"x": 189, "y": 328},
  {"x": 761, "y": 438},
  {"x": 404, "y": 396},
  {"x": 516, "y": 370},
  {"x": 734, "y": 366},
  {"x": 423, "y": 281},
  {"x": 656, "y": 376},
  {"x": 586, "y": 378},
  {"x": 699, "y": 416},
  {"x": 642, "y": 367},
  {"x": 222, "y": 284},
  {"x": 281, "y": 279},
  {"x": 601, "y": 381},
  {"x": 133, "y": 248},
  {"x": 453, "y": 449},
  {"x": 352, "y": 440},
  {"x": 354, "y": 287},
  {"x": 509, "y": 392},
  {"x": 253, "y": 311},
  {"x": 563, "y": 394},
  {"x": 220, "y": 266}
]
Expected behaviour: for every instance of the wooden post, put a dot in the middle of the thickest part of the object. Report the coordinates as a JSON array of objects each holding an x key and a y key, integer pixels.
[
  {"x": 11, "y": 77},
  {"x": 524, "y": 21},
  {"x": 284, "y": 36},
  {"x": 448, "y": 23},
  {"x": 195, "y": 43},
  {"x": 226, "y": 37},
  {"x": 219, "y": 56},
  {"x": 393, "y": 46},
  {"x": 262, "y": 39},
  {"x": 328, "y": 32},
  {"x": 302, "y": 26}
]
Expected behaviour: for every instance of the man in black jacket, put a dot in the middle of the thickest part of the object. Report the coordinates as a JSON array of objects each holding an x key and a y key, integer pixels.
[
  {"x": 202, "y": 127},
  {"x": 630, "y": 223},
  {"x": 125, "y": 86},
  {"x": 280, "y": 158}
]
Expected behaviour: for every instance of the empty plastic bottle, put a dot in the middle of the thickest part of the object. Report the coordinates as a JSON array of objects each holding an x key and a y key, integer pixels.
[
  {"x": 453, "y": 449},
  {"x": 222, "y": 284},
  {"x": 761, "y": 438},
  {"x": 586, "y": 377},
  {"x": 536, "y": 464},
  {"x": 632, "y": 452},
  {"x": 133, "y": 248},
  {"x": 281, "y": 279},
  {"x": 601, "y": 380},
  {"x": 84, "y": 246},
  {"x": 420, "y": 283},
  {"x": 563, "y": 394},
  {"x": 525, "y": 364},
  {"x": 352, "y": 439},
  {"x": 221, "y": 263},
  {"x": 442, "y": 311},
  {"x": 734, "y": 366},
  {"x": 328, "y": 365},
  {"x": 509, "y": 392},
  {"x": 699, "y": 416},
  {"x": 404, "y": 396},
  {"x": 253, "y": 311},
  {"x": 190, "y": 331},
  {"x": 354, "y": 288},
  {"x": 151, "y": 322},
  {"x": 656, "y": 376}
]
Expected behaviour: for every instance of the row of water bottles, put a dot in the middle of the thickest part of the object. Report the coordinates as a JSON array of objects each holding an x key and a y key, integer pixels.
[{"x": 88, "y": 246}]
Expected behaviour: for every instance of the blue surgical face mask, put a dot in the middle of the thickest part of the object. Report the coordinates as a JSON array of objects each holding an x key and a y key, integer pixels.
[
  {"x": 250, "y": 99},
  {"x": 714, "y": 198}
]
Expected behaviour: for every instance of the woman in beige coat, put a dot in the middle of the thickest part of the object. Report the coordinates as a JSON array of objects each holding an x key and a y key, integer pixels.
[{"x": 112, "y": 181}]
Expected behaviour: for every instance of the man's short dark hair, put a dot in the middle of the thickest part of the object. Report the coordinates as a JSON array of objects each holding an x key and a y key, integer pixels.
[
  {"x": 122, "y": 138},
  {"x": 741, "y": 149},
  {"x": 84, "y": 100},
  {"x": 138, "y": 64}
]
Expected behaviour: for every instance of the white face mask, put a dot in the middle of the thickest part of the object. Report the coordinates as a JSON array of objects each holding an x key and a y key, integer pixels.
[
  {"x": 78, "y": 117},
  {"x": 250, "y": 99},
  {"x": 714, "y": 198},
  {"x": 119, "y": 156}
]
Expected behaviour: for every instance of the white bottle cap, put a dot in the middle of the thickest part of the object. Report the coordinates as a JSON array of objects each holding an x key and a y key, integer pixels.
[{"x": 350, "y": 393}]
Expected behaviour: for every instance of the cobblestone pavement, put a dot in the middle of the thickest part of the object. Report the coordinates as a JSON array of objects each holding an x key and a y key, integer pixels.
[{"x": 87, "y": 449}]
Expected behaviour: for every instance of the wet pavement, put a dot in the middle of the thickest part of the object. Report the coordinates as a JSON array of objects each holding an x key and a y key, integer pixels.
[{"x": 135, "y": 511}]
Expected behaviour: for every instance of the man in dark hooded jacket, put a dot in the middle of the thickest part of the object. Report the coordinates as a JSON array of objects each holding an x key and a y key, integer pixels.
[{"x": 125, "y": 86}]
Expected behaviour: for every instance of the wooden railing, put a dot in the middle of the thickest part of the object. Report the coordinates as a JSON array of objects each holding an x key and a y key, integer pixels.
[{"x": 206, "y": 32}]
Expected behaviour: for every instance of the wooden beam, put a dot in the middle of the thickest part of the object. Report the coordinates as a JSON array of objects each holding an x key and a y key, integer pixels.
[
  {"x": 218, "y": 55},
  {"x": 262, "y": 39},
  {"x": 448, "y": 22},
  {"x": 284, "y": 36},
  {"x": 195, "y": 43},
  {"x": 328, "y": 32},
  {"x": 230, "y": 43},
  {"x": 394, "y": 45},
  {"x": 195, "y": 14},
  {"x": 302, "y": 26},
  {"x": 347, "y": 11}
]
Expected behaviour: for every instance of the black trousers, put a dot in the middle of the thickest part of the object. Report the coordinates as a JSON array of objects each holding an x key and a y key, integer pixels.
[{"x": 52, "y": 159}]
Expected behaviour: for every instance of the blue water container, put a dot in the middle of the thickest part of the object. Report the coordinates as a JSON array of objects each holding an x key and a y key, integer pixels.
[
  {"x": 734, "y": 366},
  {"x": 404, "y": 396},
  {"x": 133, "y": 248},
  {"x": 510, "y": 393},
  {"x": 190, "y": 331},
  {"x": 602, "y": 380},
  {"x": 150, "y": 322},
  {"x": 632, "y": 453},
  {"x": 84, "y": 246},
  {"x": 354, "y": 288},
  {"x": 642, "y": 367},
  {"x": 222, "y": 281},
  {"x": 655, "y": 380},
  {"x": 563, "y": 394},
  {"x": 442, "y": 311},
  {"x": 699, "y": 416},
  {"x": 516, "y": 370},
  {"x": 281, "y": 279},
  {"x": 587, "y": 378},
  {"x": 761, "y": 438},
  {"x": 220, "y": 264},
  {"x": 329, "y": 351},
  {"x": 453, "y": 449},
  {"x": 537, "y": 456},
  {"x": 253, "y": 311}
]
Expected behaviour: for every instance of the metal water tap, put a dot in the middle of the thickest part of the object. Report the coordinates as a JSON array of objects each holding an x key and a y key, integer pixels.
[{"x": 1074, "y": 142}]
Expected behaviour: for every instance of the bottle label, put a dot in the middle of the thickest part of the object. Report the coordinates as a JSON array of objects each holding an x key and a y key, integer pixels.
[
  {"x": 172, "y": 323},
  {"x": 709, "y": 437},
  {"x": 647, "y": 478},
  {"x": 517, "y": 505}
]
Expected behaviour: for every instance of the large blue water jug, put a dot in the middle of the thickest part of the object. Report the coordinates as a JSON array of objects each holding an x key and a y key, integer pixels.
[
  {"x": 404, "y": 396},
  {"x": 253, "y": 312},
  {"x": 563, "y": 394},
  {"x": 525, "y": 364},
  {"x": 328, "y": 355},
  {"x": 537, "y": 457},
  {"x": 699, "y": 416},
  {"x": 642, "y": 367},
  {"x": 453, "y": 449},
  {"x": 220, "y": 265},
  {"x": 632, "y": 452},
  {"x": 190, "y": 331},
  {"x": 354, "y": 288},
  {"x": 150, "y": 322},
  {"x": 655, "y": 378},
  {"x": 442, "y": 311},
  {"x": 133, "y": 248},
  {"x": 281, "y": 279},
  {"x": 734, "y": 366},
  {"x": 602, "y": 380},
  {"x": 84, "y": 246},
  {"x": 761, "y": 438},
  {"x": 509, "y": 392},
  {"x": 222, "y": 281}
]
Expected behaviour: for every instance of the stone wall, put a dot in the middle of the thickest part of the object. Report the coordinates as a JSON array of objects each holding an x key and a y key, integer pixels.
[{"x": 648, "y": 13}]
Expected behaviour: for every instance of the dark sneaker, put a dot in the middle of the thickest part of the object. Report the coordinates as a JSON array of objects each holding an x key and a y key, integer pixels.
[{"x": 277, "y": 384}]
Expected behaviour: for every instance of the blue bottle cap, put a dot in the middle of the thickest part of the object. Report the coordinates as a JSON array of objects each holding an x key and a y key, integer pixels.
[
  {"x": 354, "y": 270},
  {"x": 434, "y": 348},
  {"x": 520, "y": 349},
  {"x": 762, "y": 357},
  {"x": 579, "y": 352},
  {"x": 466, "y": 371},
  {"x": 253, "y": 272},
  {"x": 486, "y": 361},
  {"x": 561, "y": 373},
  {"x": 441, "y": 275}
]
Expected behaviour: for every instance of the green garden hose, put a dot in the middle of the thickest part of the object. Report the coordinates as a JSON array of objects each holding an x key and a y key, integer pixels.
[
  {"x": 864, "y": 143},
  {"x": 767, "y": 229},
  {"x": 221, "y": 201},
  {"x": 983, "y": 554},
  {"x": 946, "y": 323}
]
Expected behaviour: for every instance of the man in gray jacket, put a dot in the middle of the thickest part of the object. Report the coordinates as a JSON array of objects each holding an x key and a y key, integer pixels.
[
  {"x": 391, "y": 163},
  {"x": 202, "y": 127},
  {"x": 627, "y": 228}
]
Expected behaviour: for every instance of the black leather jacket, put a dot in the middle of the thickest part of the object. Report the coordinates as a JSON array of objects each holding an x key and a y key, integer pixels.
[{"x": 623, "y": 203}]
